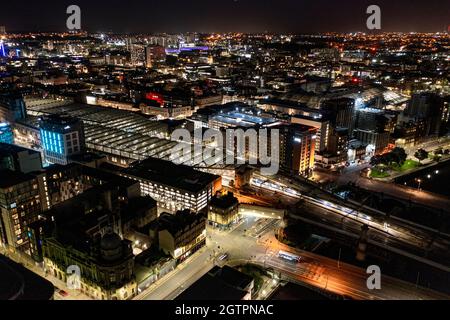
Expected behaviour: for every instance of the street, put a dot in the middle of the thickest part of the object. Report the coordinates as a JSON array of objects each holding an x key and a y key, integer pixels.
[{"x": 244, "y": 245}]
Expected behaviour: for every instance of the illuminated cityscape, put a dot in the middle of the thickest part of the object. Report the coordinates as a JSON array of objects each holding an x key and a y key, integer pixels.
[{"x": 224, "y": 165}]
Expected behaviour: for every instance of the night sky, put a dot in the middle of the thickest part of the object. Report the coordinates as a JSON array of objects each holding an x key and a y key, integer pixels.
[{"x": 226, "y": 15}]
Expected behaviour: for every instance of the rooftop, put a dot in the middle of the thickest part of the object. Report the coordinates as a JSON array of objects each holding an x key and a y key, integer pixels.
[
  {"x": 170, "y": 174},
  {"x": 175, "y": 223},
  {"x": 218, "y": 284},
  {"x": 58, "y": 122},
  {"x": 7, "y": 149},
  {"x": 225, "y": 201},
  {"x": 11, "y": 178},
  {"x": 137, "y": 206},
  {"x": 242, "y": 119}
]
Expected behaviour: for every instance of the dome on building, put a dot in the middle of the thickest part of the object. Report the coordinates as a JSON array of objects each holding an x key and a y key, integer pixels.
[
  {"x": 111, "y": 246},
  {"x": 110, "y": 241}
]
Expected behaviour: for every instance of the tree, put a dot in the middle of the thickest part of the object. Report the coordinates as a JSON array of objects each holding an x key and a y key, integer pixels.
[
  {"x": 388, "y": 158},
  {"x": 439, "y": 151},
  {"x": 375, "y": 160},
  {"x": 421, "y": 154},
  {"x": 399, "y": 155}
]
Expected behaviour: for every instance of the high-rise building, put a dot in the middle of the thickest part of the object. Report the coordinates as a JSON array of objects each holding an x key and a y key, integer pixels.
[
  {"x": 428, "y": 106},
  {"x": 323, "y": 126},
  {"x": 376, "y": 141},
  {"x": 20, "y": 206},
  {"x": 59, "y": 184},
  {"x": 2, "y": 30},
  {"x": 154, "y": 54},
  {"x": 371, "y": 119},
  {"x": 339, "y": 143},
  {"x": 340, "y": 112},
  {"x": 61, "y": 137},
  {"x": 137, "y": 52},
  {"x": 372, "y": 129},
  {"x": 297, "y": 148}
]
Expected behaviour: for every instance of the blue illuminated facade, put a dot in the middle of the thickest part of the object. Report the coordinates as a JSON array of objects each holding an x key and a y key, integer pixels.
[
  {"x": 52, "y": 142},
  {"x": 2, "y": 49},
  {"x": 6, "y": 134},
  {"x": 61, "y": 137}
]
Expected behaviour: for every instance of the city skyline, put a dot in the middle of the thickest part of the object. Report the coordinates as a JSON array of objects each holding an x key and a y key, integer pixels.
[{"x": 225, "y": 150}]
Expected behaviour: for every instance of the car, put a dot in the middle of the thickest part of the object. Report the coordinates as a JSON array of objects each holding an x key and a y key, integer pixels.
[{"x": 62, "y": 292}]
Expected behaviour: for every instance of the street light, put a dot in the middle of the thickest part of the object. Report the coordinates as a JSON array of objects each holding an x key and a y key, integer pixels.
[
  {"x": 339, "y": 259},
  {"x": 419, "y": 181}
]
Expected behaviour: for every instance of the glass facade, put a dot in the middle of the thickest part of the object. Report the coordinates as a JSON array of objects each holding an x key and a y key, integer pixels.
[
  {"x": 6, "y": 134},
  {"x": 52, "y": 142}
]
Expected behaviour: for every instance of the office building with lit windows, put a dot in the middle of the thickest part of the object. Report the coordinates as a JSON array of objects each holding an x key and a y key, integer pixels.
[
  {"x": 59, "y": 184},
  {"x": 20, "y": 205},
  {"x": 61, "y": 137},
  {"x": 154, "y": 54},
  {"x": 174, "y": 187},
  {"x": 323, "y": 126},
  {"x": 137, "y": 52},
  {"x": 297, "y": 148}
]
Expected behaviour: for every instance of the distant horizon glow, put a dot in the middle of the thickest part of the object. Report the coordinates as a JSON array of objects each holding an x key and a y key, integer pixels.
[{"x": 220, "y": 16}]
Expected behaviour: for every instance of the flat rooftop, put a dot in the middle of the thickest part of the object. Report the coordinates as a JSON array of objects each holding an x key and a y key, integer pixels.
[
  {"x": 170, "y": 174},
  {"x": 11, "y": 178},
  {"x": 218, "y": 284},
  {"x": 242, "y": 119},
  {"x": 7, "y": 149},
  {"x": 176, "y": 223}
]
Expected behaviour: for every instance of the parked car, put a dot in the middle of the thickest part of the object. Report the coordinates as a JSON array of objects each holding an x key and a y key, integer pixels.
[{"x": 62, "y": 292}]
